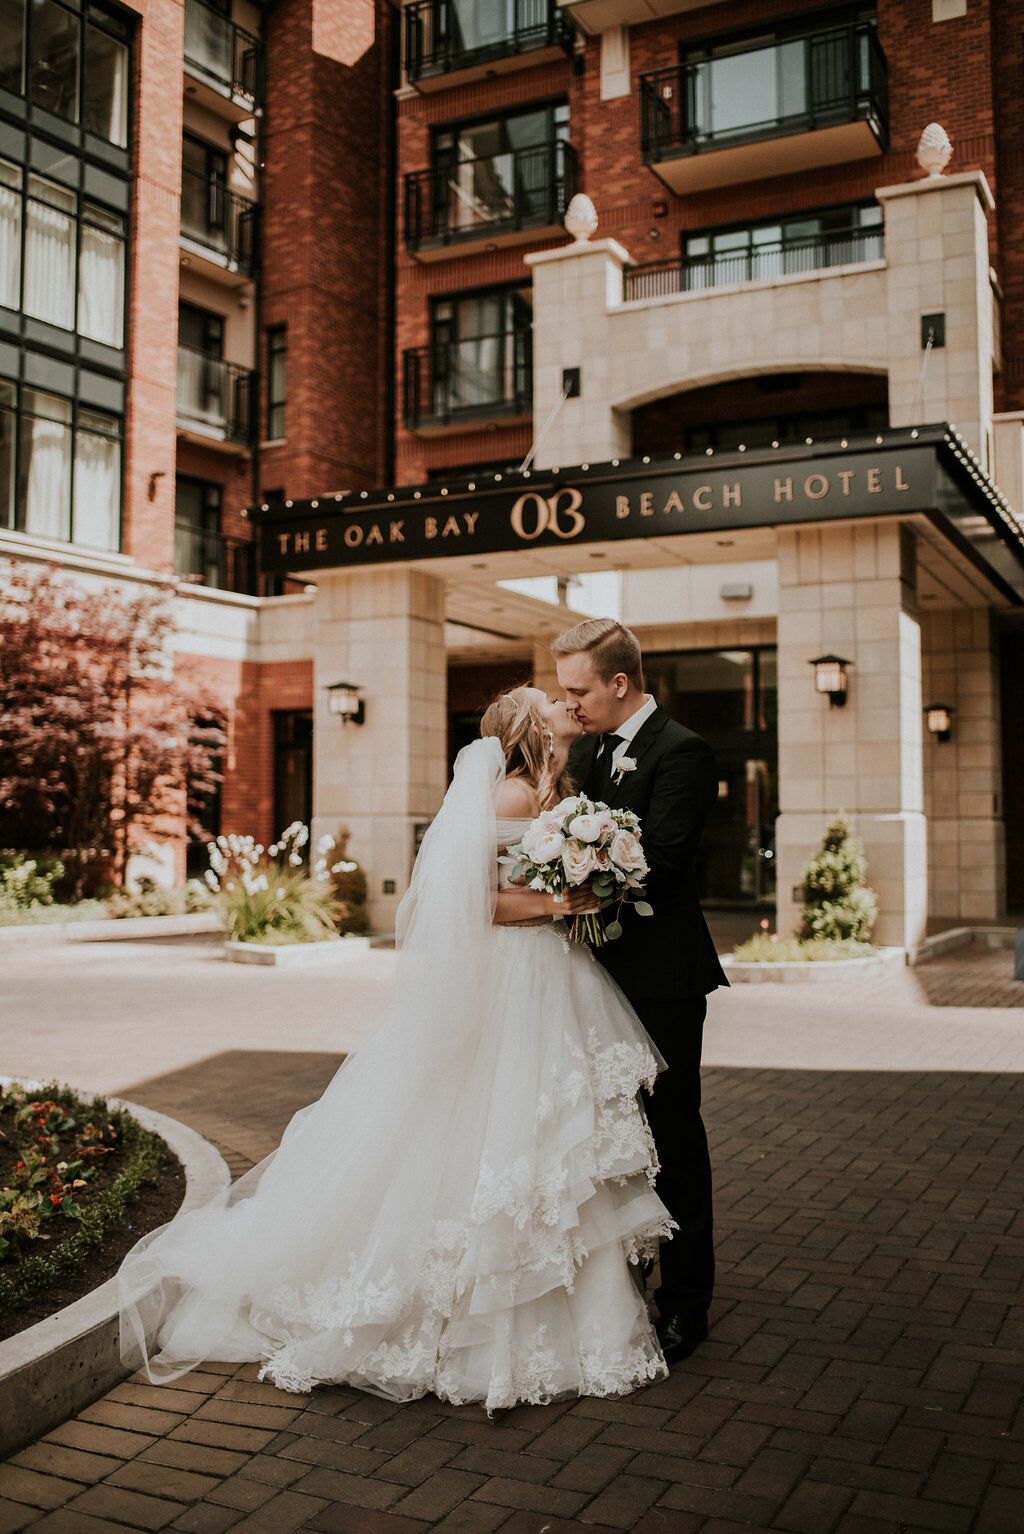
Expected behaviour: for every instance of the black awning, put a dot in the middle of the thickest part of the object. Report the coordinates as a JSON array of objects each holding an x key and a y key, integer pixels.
[{"x": 925, "y": 470}]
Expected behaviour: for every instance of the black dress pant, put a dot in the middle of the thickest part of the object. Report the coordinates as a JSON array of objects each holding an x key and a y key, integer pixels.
[{"x": 684, "y": 1182}]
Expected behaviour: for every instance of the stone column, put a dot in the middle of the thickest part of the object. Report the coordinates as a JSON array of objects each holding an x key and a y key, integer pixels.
[
  {"x": 963, "y": 775},
  {"x": 851, "y": 591},
  {"x": 573, "y": 289},
  {"x": 937, "y": 256},
  {"x": 384, "y": 630}
]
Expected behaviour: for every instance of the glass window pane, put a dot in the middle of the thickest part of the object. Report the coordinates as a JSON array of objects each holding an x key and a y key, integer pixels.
[
  {"x": 101, "y": 285},
  {"x": 12, "y": 46},
  {"x": 105, "y": 109},
  {"x": 10, "y": 235},
  {"x": 44, "y": 467},
  {"x": 7, "y": 429},
  {"x": 97, "y": 507},
  {"x": 50, "y": 254},
  {"x": 54, "y": 63}
]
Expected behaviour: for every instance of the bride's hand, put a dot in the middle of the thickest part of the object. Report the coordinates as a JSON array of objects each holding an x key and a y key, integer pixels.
[{"x": 577, "y": 900}]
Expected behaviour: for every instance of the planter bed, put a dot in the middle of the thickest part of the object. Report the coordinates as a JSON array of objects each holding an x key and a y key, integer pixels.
[
  {"x": 57, "y": 1365},
  {"x": 112, "y": 929},
  {"x": 297, "y": 955},
  {"x": 812, "y": 971}
]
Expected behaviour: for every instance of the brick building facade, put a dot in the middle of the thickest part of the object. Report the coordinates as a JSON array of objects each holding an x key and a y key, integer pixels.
[{"x": 323, "y": 239}]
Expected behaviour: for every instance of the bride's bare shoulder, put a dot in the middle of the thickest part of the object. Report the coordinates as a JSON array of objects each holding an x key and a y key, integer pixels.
[{"x": 516, "y": 798}]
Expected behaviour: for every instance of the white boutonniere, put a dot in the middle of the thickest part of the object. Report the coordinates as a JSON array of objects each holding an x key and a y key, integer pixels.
[{"x": 626, "y": 764}]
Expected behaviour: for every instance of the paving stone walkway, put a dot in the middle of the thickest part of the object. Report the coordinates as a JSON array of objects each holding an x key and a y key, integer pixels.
[{"x": 863, "y": 1375}]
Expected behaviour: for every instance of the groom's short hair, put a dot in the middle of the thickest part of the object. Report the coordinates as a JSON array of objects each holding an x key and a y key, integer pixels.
[{"x": 612, "y": 648}]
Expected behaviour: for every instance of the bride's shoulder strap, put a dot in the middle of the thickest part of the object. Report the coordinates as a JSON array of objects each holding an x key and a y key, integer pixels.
[{"x": 516, "y": 798}]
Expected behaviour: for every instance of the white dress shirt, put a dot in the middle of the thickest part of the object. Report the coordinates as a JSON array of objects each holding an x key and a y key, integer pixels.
[{"x": 627, "y": 730}]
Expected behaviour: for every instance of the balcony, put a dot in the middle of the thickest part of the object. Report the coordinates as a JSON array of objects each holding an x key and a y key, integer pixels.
[
  {"x": 224, "y": 62},
  {"x": 216, "y": 401},
  {"x": 597, "y": 16},
  {"x": 488, "y": 378},
  {"x": 503, "y": 199},
  {"x": 759, "y": 263},
  {"x": 454, "y": 41},
  {"x": 207, "y": 558},
  {"x": 219, "y": 229},
  {"x": 794, "y": 105}
]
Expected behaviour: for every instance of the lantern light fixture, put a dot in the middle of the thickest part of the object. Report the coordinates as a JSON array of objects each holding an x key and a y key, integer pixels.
[
  {"x": 939, "y": 718},
  {"x": 830, "y": 678},
  {"x": 346, "y": 702}
]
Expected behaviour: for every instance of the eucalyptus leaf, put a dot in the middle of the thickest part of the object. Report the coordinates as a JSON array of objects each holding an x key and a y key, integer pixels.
[
  {"x": 642, "y": 908},
  {"x": 613, "y": 929}
]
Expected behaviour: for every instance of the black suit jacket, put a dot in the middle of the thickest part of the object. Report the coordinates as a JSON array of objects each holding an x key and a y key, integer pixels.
[{"x": 668, "y": 956}]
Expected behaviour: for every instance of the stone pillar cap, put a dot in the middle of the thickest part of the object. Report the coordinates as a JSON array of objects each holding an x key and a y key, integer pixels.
[
  {"x": 975, "y": 178},
  {"x": 611, "y": 248}
]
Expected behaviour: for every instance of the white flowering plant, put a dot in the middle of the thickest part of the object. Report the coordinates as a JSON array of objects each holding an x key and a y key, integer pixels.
[
  {"x": 581, "y": 841},
  {"x": 276, "y": 894}
]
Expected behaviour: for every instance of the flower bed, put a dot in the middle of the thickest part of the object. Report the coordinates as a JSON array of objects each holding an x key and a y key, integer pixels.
[
  {"x": 79, "y": 1183},
  {"x": 769, "y": 948}
]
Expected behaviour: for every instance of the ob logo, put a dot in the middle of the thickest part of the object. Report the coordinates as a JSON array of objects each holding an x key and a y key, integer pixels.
[{"x": 546, "y": 514}]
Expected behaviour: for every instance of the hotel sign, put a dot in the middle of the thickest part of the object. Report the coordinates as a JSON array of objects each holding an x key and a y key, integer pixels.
[{"x": 577, "y": 507}]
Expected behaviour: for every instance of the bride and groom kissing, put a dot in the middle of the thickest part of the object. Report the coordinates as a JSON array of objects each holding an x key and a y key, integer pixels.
[{"x": 460, "y": 1210}]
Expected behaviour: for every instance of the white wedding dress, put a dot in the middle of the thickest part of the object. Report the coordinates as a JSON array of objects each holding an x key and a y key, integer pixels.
[{"x": 459, "y": 1210}]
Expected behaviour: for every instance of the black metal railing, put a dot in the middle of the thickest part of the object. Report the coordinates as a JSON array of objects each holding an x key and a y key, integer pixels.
[
  {"x": 215, "y": 394},
  {"x": 224, "y": 52},
  {"x": 825, "y": 78},
  {"x": 445, "y": 35},
  {"x": 210, "y": 559},
  {"x": 522, "y": 189},
  {"x": 755, "y": 263},
  {"x": 222, "y": 220},
  {"x": 487, "y": 377}
]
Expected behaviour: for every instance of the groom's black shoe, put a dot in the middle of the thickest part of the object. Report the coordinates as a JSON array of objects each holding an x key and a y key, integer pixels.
[{"x": 680, "y": 1335}]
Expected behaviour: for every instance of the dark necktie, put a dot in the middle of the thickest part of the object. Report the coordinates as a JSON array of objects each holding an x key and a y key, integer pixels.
[{"x": 603, "y": 774}]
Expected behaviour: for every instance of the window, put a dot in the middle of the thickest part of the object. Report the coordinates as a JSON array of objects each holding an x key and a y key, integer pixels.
[
  {"x": 480, "y": 350},
  {"x": 72, "y": 64},
  {"x": 804, "y": 242},
  {"x": 60, "y": 468},
  {"x": 498, "y": 169},
  {"x": 277, "y": 368},
  {"x": 200, "y": 371},
  {"x": 197, "y": 530},
  {"x": 74, "y": 257}
]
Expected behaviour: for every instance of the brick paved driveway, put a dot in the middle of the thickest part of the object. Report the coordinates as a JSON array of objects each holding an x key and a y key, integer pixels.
[{"x": 863, "y": 1375}]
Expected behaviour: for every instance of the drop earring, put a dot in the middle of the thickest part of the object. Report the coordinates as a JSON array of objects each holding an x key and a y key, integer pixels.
[{"x": 551, "y": 742}]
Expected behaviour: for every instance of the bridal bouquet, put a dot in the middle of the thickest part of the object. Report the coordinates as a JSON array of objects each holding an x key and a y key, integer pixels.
[{"x": 578, "y": 840}]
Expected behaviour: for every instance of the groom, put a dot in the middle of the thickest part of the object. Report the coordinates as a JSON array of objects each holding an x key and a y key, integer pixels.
[{"x": 633, "y": 755}]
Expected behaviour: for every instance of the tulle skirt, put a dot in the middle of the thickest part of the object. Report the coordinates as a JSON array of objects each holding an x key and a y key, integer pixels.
[{"x": 455, "y": 1215}]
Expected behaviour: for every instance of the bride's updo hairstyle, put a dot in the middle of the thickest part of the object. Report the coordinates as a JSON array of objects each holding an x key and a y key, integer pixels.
[{"x": 517, "y": 724}]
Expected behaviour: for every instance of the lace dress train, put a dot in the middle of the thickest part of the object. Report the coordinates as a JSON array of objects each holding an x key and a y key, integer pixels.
[{"x": 458, "y": 1212}]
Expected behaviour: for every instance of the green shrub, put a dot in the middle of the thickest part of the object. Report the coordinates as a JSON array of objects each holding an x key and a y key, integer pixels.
[
  {"x": 349, "y": 882},
  {"x": 26, "y": 882},
  {"x": 268, "y": 895},
  {"x": 837, "y": 905}
]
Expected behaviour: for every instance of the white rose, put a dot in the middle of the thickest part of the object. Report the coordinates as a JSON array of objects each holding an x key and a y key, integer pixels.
[
  {"x": 543, "y": 844},
  {"x": 627, "y": 854},
  {"x": 587, "y": 828},
  {"x": 565, "y": 807},
  {"x": 578, "y": 862}
]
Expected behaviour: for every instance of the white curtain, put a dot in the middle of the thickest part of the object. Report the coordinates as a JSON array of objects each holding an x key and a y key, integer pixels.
[
  {"x": 101, "y": 286},
  {"x": 107, "y": 87},
  {"x": 49, "y": 265},
  {"x": 10, "y": 236},
  {"x": 47, "y": 445},
  {"x": 97, "y": 491}
]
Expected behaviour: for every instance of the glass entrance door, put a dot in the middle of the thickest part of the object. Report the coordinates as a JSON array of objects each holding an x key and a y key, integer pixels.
[{"x": 729, "y": 697}]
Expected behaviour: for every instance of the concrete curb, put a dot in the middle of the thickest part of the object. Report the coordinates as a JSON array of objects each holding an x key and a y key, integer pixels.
[
  {"x": 812, "y": 971},
  {"x": 963, "y": 937},
  {"x": 297, "y": 955},
  {"x": 58, "y": 1366},
  {"x": 113, "y": 929}
]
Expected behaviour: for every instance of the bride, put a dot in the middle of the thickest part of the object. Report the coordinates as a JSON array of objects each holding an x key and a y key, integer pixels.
[{"x": 459, "y": 1210}]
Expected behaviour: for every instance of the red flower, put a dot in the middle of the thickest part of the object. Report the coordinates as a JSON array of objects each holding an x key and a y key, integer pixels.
[
  {"x": 56, "y": 1200},
  {"x": 20, "y": 1166}
]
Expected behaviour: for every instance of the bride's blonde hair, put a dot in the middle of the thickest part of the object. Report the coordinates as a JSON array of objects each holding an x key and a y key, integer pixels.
[{"x": 517, "y": 724}]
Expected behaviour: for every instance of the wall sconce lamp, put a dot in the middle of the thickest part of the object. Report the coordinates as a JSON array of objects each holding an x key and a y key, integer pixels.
[
  {"x": 830, "y": 678},
  {"x": 939, "y": 718},
  {"x": 346, "y": 702}
]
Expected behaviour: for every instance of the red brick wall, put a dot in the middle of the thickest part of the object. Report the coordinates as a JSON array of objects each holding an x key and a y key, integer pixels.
[
  {"x": 324, "y": 265},
  {"x": 937, "y": 72}
]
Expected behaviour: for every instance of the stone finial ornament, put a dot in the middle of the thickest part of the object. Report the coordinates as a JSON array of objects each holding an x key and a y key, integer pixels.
[
  {"x": 934, "y": 150},
  {"x": 581, "y": 218}
]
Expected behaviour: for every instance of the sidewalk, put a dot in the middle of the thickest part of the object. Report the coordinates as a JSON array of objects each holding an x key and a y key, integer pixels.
[{"x": 863, "y": 1372}]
